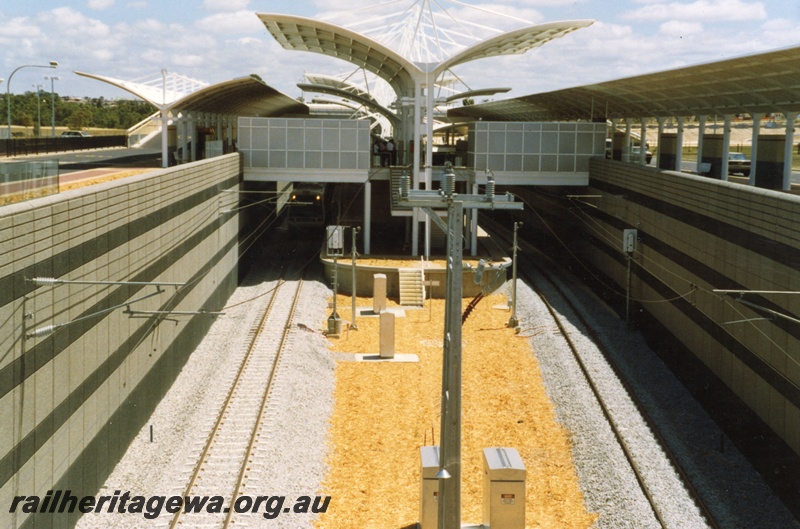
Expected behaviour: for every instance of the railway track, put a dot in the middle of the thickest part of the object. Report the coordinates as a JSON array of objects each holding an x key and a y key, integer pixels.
[
  {"x": 230, "y": 453},
  {"x": 526, "y": 265}
]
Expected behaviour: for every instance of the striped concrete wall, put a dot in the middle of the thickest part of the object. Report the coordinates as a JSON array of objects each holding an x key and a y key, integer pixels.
[
  {"x": 70, "y": 402},
  {"x": 695, "y": 235}
]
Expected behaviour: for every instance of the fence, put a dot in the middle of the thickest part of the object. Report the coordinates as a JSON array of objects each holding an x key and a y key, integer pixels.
[
  {"x": 25, "y": 146},
  {"x": 25, "y": 180}
]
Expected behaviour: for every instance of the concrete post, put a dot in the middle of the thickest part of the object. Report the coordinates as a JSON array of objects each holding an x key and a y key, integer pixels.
[
  {"x": 754, "y": 151},
  {"x": 387, "y": 334},
  {"x": 788, "y": 150},
  {"x": 701, "y": 130},
  {"x": 679, "y": 146},
  {"x": 726, "y": 146},
  {"x": 378, "y": 293}
]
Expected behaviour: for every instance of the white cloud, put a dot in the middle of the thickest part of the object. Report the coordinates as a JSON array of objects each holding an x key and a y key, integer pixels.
[
  {"x": 225, "y": 5},
  {"x": 100, "y": 5},
  {"x": 236, "y": 23},
  {"x": 679, "y": 28},
  {"x": 67, "y": 21},
  {"x": 701, "y": 10},
  {"x": 21, "y": 27}
]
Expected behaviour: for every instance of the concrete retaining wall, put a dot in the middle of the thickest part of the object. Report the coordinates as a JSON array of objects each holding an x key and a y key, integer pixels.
[
  {"x": 696, "y": 235},
  {"x": 70, "y": 402}
]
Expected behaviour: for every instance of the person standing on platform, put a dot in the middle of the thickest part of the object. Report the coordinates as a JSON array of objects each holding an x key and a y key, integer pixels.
[
  {"x": 384, "y": 154},
  {"x": 390, "y": 151}
]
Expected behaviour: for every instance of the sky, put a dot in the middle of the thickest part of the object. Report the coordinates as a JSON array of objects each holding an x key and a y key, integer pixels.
[{"x": 219, "y": 40}]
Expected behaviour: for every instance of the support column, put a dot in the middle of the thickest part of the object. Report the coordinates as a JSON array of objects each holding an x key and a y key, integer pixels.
[
  {"x": 164, "y": 137},
  {"x": 229, "y": 132},
  {"x": 726, "y": 145},
  {"x": 754, "y": 147},
  {"x": 415, "y": 165},
  {"x": 658, "y": 142},
  {"x": 193, "y": 132},
  {"x": 643, "y": 143},
  {"x": 701, "y": 130},
  {"x": 183, "y": 125},
  {"x": 788, "y": 149},
  {"x": 429, "y": 93},
  {"x": 679, "y": 146},
  {"x": 626, "y": 149},
  {"x": 367, "y": 215}
]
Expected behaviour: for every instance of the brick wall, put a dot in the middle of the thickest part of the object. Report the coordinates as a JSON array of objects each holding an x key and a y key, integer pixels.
[{"x": 70, "y": 402}]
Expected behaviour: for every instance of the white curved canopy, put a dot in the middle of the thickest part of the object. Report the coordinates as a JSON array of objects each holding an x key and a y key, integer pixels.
[{"x": 299, "y": 33}]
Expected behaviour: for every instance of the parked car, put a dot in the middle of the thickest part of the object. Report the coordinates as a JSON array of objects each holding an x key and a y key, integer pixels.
[
  {"x": 75, "y": 134},
  {"x": 738, "y": 163}
]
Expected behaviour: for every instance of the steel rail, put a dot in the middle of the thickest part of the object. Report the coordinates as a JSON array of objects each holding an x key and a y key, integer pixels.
[
  {"x": 267, "y": 392},
  {"x": 253, "y": 334},
  {"x": 503, "y": 233}
]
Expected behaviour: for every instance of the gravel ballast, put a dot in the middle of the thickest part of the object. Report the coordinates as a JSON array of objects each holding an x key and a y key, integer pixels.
[
  {"x": 295, "y": 460},
  {"x": 296, "y": 444},
  {"x": 733, "y": 490}
]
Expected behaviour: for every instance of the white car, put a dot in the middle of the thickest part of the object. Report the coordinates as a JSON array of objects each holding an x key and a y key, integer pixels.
[{"x": 75, "y": 134}]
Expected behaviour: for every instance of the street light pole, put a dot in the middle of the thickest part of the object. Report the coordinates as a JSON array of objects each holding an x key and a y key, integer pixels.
[
  {"x": 53, "y": 64},
  {"x": 38, "y": 126},
  {"x": 53, "y": 103}
]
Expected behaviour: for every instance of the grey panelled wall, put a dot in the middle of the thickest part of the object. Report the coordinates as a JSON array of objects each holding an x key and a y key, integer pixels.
[
  {"x": 695, "y": 235},
  {"x": 535, "y": 153},
  {"x": 71, "y": 402}
]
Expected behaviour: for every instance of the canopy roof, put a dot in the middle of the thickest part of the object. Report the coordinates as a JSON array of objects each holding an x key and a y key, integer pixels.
[
  {"x": 245, "y": 96},
  {"x": 305, "y": 34},
  {"x": 755, "y": 84},
  {"x": 367, "y": 101}
]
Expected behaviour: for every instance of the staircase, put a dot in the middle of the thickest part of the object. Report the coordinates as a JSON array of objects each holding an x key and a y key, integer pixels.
[{"x": 412, "y": 287}]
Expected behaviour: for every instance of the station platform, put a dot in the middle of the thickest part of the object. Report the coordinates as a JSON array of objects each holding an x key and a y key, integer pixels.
[{"x": 429, "y": 273}]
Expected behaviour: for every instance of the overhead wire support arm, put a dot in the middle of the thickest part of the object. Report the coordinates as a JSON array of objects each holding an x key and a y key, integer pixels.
[
  {"x": 171, "y": 312},
  {"x": 50, "y": 329},
  {"x": 54, "y": 281}
]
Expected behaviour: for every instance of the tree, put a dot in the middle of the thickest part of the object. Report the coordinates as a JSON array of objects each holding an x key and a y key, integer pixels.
[{"x": 80, "y": 119}]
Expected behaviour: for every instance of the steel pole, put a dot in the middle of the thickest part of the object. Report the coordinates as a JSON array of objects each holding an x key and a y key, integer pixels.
[
  {"x": 512, "y": 321},
  {"x": 353, "y": 282},
  {"x": 450, "y": 443}
]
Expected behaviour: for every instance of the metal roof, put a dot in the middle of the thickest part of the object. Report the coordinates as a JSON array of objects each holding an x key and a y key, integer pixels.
[
  {"x": 336, "y": 83},
  {"x": 305, "y": 34},
  {"x": 755, "y": 84},
  {"x": 245, "y": 96},
  {"x": 367, "y": 102}
]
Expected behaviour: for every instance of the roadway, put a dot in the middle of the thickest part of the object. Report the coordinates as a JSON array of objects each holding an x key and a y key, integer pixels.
[{"x": 124, "y": 157}]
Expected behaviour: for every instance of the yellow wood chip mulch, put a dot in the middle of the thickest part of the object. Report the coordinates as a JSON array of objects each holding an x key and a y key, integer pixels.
[
  {"x": 106, "y": 178},
  {"x": 385, "y": 412}
]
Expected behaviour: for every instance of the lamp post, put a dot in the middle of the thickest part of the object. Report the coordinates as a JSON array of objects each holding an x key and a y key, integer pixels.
[
  {"x": 53, "y": 102},
  {"x": 53, "y": 64},
  {"x": 38, "y": 126},
  {"x": 1, "y": 82}
]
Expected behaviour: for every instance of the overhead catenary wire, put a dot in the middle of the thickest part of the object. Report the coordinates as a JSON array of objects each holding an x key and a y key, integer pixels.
[{"x": 694, "y": 286}]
